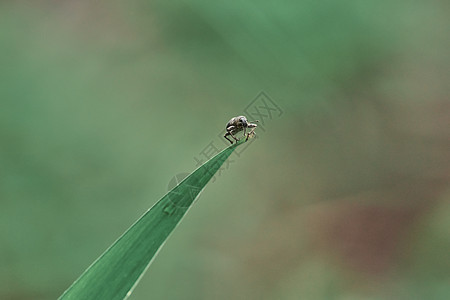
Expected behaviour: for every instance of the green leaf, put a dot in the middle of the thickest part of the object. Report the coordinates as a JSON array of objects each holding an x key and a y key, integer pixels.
[{"x": 117, "y": 271}]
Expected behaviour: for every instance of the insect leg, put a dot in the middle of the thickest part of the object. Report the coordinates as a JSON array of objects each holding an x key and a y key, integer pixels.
[
  {"x": 226, "y": 136},
  {"x": 251, "y": 133},
  {"x": 234, "y": 137}
]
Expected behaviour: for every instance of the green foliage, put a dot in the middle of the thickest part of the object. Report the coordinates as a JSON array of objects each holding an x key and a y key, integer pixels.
[{"x": 118, "y": 270}]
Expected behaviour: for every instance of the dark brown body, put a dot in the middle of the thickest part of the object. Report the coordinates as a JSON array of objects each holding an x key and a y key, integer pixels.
[{"x": 238, "y": 124}]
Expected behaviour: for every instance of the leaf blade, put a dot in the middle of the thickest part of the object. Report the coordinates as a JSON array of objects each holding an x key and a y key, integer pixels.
[{"x": 117, "y": 271}]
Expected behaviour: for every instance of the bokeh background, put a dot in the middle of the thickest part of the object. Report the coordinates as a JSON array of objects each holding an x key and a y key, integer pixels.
[{"x": 345, "y": 195}]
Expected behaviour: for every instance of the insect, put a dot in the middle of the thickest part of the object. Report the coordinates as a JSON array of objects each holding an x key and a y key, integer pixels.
[{"x": 238, "y": 124}]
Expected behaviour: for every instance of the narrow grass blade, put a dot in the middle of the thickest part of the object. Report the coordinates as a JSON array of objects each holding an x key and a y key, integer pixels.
[{"x": 114, "y": 274}]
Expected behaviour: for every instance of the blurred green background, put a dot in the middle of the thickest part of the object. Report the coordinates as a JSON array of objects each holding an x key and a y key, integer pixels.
[{"x": 344, "y": 196}]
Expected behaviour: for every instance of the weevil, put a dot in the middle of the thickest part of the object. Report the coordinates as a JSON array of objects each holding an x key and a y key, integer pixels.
[{"x": 238, "y": 124}]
